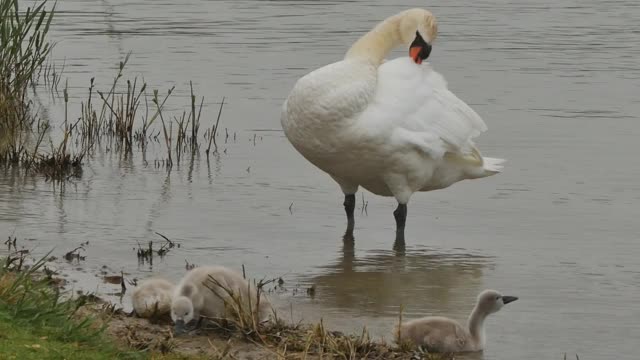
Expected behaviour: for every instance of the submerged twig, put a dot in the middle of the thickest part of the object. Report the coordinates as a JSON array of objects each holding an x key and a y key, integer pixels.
[{"x": 75, "y": 254}]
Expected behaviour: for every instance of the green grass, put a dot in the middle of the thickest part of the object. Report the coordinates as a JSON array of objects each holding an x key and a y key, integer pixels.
[
  {"x": 37, "y": 323},
  {"x": 29, "y": 342}
]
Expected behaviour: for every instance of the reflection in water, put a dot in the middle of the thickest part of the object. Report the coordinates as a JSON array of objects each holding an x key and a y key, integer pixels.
[
  {"x": 192, "y": 162},
  {"x": 111, "y": 31},
  {"x": 419, "y": 278},
  {"x": 158, "y": 206},
  {"x": 218, "y": 166},
  {"x": 472, "y": 356}
]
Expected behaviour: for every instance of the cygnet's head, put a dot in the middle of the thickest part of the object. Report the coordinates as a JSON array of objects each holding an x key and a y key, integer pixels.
[
  {"x": 491, "y": 301},
  {"x": 418, "y": 29},
  {"x": 181, "y": 312}
]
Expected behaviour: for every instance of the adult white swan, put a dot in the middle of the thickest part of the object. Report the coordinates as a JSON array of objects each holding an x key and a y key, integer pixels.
[{"x": 391, "y": 127}]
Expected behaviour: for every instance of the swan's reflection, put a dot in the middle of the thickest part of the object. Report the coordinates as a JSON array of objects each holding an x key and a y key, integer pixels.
[{"x": 424, "y": 280}]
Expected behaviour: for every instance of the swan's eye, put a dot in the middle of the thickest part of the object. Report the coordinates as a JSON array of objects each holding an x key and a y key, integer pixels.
[{"x": 498, "y": 297}]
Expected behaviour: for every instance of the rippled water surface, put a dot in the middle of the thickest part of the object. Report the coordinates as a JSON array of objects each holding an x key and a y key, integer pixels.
[{"x": 556, "y": 81}]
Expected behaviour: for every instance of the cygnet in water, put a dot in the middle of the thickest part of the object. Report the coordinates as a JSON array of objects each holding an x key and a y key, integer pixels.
[
  {"x": 194, "y": 295},
  {"x": 152, "y": 297},
  {"x": 441, "y": 334}
]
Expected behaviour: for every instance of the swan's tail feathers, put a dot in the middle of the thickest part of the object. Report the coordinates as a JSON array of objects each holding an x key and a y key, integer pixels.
[
  {"x": 147, "y": 307},
  {"x": 492, "y": 166},
  {"x": 152, "y": 302}
]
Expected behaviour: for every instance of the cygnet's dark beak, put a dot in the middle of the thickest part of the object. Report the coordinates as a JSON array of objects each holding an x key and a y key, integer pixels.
[
  {"x": 179, "y": 327},
  {"x": 419, "y": 49},
  {"x": 508, "y": 299}
]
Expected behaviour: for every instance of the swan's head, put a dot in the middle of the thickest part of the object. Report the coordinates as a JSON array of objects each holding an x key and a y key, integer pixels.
[
  {"x": 418, "y": 30},
  {"x": 491, "y": 301},
  {"x": 181, "y": 312}
]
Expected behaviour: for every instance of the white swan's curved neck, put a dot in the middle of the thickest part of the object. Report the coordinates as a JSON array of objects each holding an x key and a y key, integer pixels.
[
  {"x": 476, "y": 326},
  {"x": 377, "y": 43}
]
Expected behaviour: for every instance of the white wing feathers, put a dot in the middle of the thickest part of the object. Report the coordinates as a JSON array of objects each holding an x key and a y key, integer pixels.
[{"x": 414, "y": 103}]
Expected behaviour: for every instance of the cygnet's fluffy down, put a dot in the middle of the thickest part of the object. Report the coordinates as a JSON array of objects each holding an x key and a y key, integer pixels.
[
  {"x": 194, "y": 295},
  {"x": 441, "y": 334},
  {"x": 152, "y": 297}
]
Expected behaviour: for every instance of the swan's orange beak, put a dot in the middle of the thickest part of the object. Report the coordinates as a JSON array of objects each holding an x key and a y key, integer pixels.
[
  {"x": 414, "y": 52},
  {"x": 419, "y": 49}
]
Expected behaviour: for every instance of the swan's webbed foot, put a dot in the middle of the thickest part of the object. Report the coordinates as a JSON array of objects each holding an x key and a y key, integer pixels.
[{"x": 349, "y": 208}]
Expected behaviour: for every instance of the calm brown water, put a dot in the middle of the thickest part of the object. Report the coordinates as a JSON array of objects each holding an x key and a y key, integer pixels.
[{"x": 556, "y": 82}]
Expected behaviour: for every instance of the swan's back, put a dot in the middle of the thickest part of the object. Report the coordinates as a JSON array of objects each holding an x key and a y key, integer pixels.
[
  {"x": 200, "y": 278},
  {"x": 152, "y": 297},
  {"x": 436, "y": 333},
  {"x": 324, "y": 102},
  {"x": 213, "y": 304}
]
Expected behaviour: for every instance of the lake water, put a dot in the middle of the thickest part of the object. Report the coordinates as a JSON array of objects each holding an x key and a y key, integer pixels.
[{"x": 557, "y": 82}]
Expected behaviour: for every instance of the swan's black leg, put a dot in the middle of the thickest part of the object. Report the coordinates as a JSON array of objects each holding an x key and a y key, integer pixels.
[
  {"x": 349, "y": 207},
  {"x": 400, "y": 213}
]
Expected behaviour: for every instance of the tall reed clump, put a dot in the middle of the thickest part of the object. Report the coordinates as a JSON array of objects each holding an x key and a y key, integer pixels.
[{"x": 23, "y": 49}]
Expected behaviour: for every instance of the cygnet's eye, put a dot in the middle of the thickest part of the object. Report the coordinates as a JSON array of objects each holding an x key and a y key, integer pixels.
[{"x": 498, "y": 297}]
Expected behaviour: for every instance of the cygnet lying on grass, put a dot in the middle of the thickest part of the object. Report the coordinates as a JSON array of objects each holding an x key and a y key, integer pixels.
[
  {"x": 441, "y": 334},
  {"x": 152, "y": 297},
  {"x": 194, "y": 296}
]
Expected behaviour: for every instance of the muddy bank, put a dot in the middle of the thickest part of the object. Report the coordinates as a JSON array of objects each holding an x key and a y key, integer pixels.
[
  {"x": 224, "y": 341},
  {"x": 142, "y": 334}
]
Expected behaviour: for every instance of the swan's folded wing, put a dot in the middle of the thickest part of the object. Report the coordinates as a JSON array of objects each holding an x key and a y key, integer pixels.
[
  {"x": 416, "y": 106},
  {"x": 335, "y": 92},
  {"x": 440, "y": 334},
  {"x": 439, "y": 341}
]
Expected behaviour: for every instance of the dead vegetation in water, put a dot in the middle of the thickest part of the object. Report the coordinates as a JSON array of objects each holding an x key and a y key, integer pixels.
[
  {"x": 15, "y": 260},
  {"x": 74, "y": 255},
  {"x": 146, "y": 254},
  {"x": 126, "y": 115}
]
